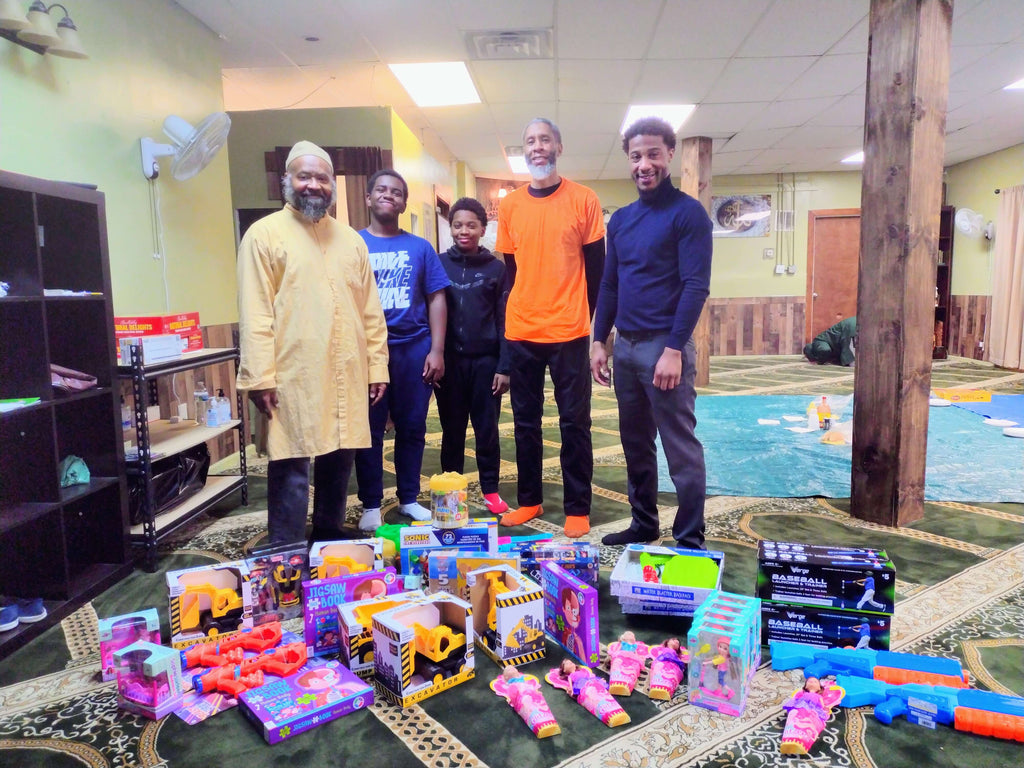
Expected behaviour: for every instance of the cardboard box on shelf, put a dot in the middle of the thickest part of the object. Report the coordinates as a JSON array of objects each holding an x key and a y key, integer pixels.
[{"x": 184, "y": 325}]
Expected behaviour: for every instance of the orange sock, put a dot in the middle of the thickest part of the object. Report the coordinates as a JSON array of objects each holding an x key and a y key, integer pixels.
[
  {"x": 577, "y": 525},
  {"x": 521, "y": 515}
]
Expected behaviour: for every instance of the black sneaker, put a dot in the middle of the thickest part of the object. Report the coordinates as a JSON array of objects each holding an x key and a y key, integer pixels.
[{"x": 629, "y": 536}]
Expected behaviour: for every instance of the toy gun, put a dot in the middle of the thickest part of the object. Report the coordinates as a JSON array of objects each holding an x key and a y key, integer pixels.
[
  {"x": 342, "y": 565},
  {"x": 230, "y": 649},
  {"x": 233, "y": 679},
  {"x": 967, "y": 709},
  {"x": 887, "y": 666}
]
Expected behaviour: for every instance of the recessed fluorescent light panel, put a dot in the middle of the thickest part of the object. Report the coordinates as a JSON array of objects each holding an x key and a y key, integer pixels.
[
  {"x": 854, "y": 158},
  {"x": 1018, "y": 86},
  {"x": 674, "y": 114},
  {"x": 442, "y": 84},
  {"x": 516, "y": 160}
]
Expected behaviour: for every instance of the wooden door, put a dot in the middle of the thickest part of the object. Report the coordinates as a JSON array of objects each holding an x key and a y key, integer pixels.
[{"x": 833, "y": 255}]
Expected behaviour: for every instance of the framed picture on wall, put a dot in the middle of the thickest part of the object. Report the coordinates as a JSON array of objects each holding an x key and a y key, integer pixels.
[{"x": 741, "y": 215}]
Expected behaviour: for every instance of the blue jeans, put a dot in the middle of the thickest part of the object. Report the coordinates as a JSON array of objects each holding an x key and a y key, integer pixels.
[
  {"x": 288, "y": 494},
  {"x": 407, "y": 398},
  {"x": 646, "y": 411}
]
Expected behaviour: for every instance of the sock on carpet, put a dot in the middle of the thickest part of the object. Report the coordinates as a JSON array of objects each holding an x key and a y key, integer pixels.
[
  {"x": 495, "y": 504},
  {"x": 370, "y": 521},
  {"x": 522, "y": 515},
  {"x": 577, "y": 525},
  {"x": 415, "y": 511}
]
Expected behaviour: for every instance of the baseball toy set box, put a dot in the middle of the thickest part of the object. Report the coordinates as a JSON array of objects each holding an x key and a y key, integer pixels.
[
  {"x": 668, "y": 581},
  {"x": 319, "y": 692},
  {"x": 570, "y": 613},
  {"x": 508, "y": 615},
  {"x": 423, "y": 648},
  {"x": 823, "y": 627},
  {"x": 854, "y": 579}
]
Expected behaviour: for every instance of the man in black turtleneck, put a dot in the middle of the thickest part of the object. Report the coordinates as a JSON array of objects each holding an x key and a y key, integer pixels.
[{"x": 656, "y": 278}]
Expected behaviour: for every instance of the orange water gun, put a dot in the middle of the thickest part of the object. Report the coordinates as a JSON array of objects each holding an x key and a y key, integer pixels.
[
  {"x": 235, "y": 678},
  {"x": 231, "y": 649}
]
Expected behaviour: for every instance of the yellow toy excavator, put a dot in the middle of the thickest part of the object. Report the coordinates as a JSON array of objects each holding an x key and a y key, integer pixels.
[{"x": 211, "y": 609}]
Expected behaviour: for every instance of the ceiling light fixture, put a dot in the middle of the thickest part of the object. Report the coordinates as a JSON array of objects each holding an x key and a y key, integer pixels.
[
  {"x": 442, "y": 84},
  {"x": 516, "y": 159},
  {"x": 856, "y": 157},
  {"x": 674, "y": 114},
  {"x": 36, "y": 31},
  {"x": 1017, "y": 86}
]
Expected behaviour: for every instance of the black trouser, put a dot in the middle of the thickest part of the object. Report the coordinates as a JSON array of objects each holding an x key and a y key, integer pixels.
[
  {"x": 465, "y": 395},
  {"x": 569, "y": 363}
]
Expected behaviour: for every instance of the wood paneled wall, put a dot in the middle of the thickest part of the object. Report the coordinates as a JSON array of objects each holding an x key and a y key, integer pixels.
[
  {"x": 967, "y": 317},
  {"x": 770, "y": 325}
]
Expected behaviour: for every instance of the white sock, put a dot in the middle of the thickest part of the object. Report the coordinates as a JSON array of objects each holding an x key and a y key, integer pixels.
[
  {"x": 370, "y": 520},
  {"x": 415, "y": 511}
]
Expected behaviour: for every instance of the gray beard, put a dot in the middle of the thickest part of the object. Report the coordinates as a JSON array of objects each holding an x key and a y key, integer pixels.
[
  {"x": 312, "y": 207},
  {"x": 541, "y": 171}
]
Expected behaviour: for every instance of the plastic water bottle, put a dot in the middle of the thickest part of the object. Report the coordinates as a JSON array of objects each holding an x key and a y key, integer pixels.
[
  {"x": 824, "y": 414},
  {"x": 812, "y": 416},
  {"x": 201, "y": 396},
  {"x": 223, "y": 408}
]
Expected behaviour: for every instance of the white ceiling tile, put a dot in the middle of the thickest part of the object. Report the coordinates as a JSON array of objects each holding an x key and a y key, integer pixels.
[
  {"x": 830, "y": 76},
  {"x": 515, "y": 81},
  {"x": 759, "y": 79},
  {"x": 511, "y": 119},
  {"x": 821, "y": 136},
  {"x": 782, "y": 114},
  {"x": 677, "y": 81},
  {"x": 757, "y": 139},
  {"x": 855, "y": 41},
  {"x": 596, "y": 81},
  {"x": 993, "y": 72},
  {"x": 721, "y": 120},
  {"x": 602, "y": 29},
  {"x": 595, "y": 143},
  {"x": 989, "y": 22},
  {"x": 848, "y": 111},
  {"x": 961, "y": 56},
  {"x": 462, "y": 119},
  {"x": 803, "y": 27},
  {"x": 522, "y": 14},
  {"x": 476, "y": 144},
  {"x": 426, "y": 32},
  {"x": 695, "y": 29},
  {"x": 583, "y": 117}
]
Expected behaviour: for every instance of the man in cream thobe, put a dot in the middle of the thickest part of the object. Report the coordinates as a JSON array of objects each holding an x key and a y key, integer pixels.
[{"x": 313, "y": 346}]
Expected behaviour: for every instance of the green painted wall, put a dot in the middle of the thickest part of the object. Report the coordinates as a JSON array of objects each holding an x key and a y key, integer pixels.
[
  {"x": 254, "y": 133},
  {"x": 738, "y": 267},
  {"x": 81, "y": 120},
  {"x": 972, "y": 184}
]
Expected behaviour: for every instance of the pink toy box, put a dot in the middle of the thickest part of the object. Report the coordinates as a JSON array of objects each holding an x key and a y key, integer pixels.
[
  {"x": 725, "y": 650},
  {"x": 119, "y": 631},
  {"x": 148, "y": 679},
  {"x": 570, "y": 613},
  {"x": 319, "y": 692}
]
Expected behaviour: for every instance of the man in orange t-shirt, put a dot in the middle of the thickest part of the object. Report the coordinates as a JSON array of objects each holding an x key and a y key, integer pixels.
[{"x": 552, "y": 236}]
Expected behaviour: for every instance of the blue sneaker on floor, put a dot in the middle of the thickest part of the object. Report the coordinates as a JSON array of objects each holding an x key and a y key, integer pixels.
[
  {"x": 31, "y": 610},
  {"x": 8, "y": 617}
]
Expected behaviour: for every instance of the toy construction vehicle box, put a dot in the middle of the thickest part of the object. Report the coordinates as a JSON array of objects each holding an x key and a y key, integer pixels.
[
  {"x": 827, "y": 577},
  {"x": 823, "y": 627},
  {"x": 423, "y": 648},
  {"x": 580, "y": 559},
  {"x": 319, "y": 692},
  {"x": 276, "y": 574},
  {"x": 208, "y": 602},
  {"x": 666, "y": 575},
  {"x": 328, "y": 559},
  {"x": 447, "y": 568},
  {"x": 508, "y": 614},
  {"x": 415, "y": 540},
  {"x": 321, "y": 598},
  {"x": 355, "y": 623},
  {"x": 118, "y": 631},
  {"x": 570, "y": 613}
]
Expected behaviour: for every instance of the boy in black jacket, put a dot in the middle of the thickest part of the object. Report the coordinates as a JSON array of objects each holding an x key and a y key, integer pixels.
[{"x": 475, "y": 359}]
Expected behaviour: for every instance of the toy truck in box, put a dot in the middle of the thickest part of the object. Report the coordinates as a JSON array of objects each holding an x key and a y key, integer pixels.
[{"x": 207, "y": 602}]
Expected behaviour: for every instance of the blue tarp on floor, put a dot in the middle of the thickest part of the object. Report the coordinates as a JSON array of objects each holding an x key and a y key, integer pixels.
[{"x": 967, "y": 459}]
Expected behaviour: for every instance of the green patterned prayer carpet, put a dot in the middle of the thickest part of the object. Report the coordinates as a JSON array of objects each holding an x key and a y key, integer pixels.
[{"x": 960, "y": 590}]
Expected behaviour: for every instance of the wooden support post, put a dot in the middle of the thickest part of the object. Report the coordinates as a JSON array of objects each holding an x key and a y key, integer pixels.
[
  {"x": 695, "y": 180},
  {"x": 905, "y": 117}
]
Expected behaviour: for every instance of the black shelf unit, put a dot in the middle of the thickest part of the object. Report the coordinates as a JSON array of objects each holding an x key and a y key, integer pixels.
[
  {"x": 161, "y": 439},
  {"x": 943, "y": 283},
  {"x": 65, "y": 545}
]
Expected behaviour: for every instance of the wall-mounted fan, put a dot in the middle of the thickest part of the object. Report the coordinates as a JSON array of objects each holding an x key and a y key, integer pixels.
[
  {"x": 973, "y": 224},
  {"x": 192, "y": 148}
]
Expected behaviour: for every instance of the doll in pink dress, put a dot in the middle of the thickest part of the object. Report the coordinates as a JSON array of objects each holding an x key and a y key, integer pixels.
[
  {"x": 628, "y": 657},
  {"x": 668, "y": 668},
  {"x": 523, "y": 694},
  {"x": 589, "y": 690},
  {"x": 809, "y": 709}
]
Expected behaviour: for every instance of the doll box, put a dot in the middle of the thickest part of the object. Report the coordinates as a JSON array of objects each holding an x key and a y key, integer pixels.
[
  {"x": 508, "y": 615},
  {"x": 118, "y": 631},
  {"x": 355, "y": 622},
  {"x": 423, "y": 648},
  {"x": 319, "y": 692},
  {"x": 208, "y": 602},
  {"x": 629, "y": 585},
  {"x": 571, "y": 613}
]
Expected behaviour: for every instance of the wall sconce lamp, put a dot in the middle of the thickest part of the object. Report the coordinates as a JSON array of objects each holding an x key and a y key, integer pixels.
[{"x": 36, "y": 31}]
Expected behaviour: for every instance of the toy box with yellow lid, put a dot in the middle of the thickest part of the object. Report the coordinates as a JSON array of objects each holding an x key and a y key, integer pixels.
[
  {"x": 447, "y": 568},
  {"x": 508, "y": 614},
  {"x": 448, "y": 505},
  {"x": 355, "y": 623},
  {"x": 208, "y": 602},
  {"x": 423, "y": 648},
  {"x": 328, "y": 559},
  {"x": 672, "y": 579}
]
